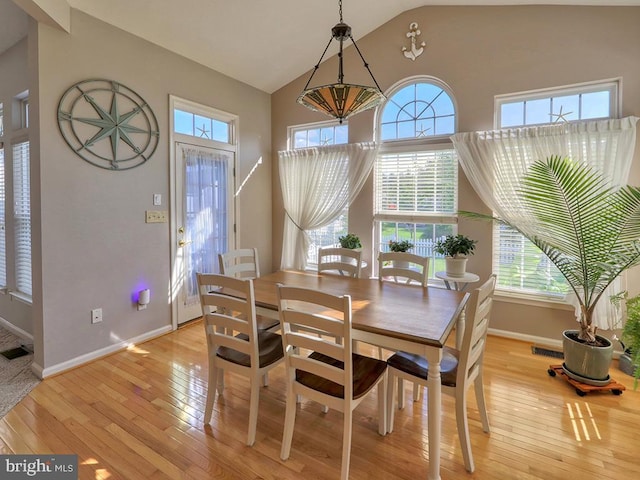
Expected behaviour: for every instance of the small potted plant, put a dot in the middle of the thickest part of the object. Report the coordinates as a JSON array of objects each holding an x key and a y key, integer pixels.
[
  {"x": 456, "y": 249},
  {"x": 400, "y": 246},
  {"x": 350, "y": 241}
]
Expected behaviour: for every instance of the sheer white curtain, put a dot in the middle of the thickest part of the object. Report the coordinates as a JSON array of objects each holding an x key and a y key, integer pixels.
[
  {"x": 495, "y": 162},
  {"x": 317, "y": 185},
  {"x": 205, "y": 213}
]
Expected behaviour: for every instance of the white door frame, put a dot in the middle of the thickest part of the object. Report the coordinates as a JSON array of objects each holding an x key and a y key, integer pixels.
[{"x": 174, "y": 138}]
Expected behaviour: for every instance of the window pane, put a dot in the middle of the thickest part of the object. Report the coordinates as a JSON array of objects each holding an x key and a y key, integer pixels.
[
  {"x": 537, "y": 111},
  {"x": 415, "y": 111},
  {"x": 596, "y": 105},
  {"x": 565, "y": 108},
  {"x": 327, "y": 236},
  {"x": 341, "y": 134},
  {"x": 423, "y": 236},
  {"x": 512, "y": 114},
  {"x": 220, "y": 131},
  {"x": 520, "y": 265},
  {"x": 22, "y": 217},
  {"x": 183, "y": 122},
  {"x": 417, "y": 182},
  {"x": 203, "y": 126}
]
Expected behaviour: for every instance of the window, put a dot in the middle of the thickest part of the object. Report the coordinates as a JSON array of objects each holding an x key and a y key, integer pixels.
[
  {"x": 202, "y": 126},
  {"x": 315, "y": 135},
  {"x": 1, "y": 120},
  {"x": 416, "y": 174},
  {"x": 521, "y": 267},
  {"x": 325, "y": 133},
  {"x": 22, "y": 217}
]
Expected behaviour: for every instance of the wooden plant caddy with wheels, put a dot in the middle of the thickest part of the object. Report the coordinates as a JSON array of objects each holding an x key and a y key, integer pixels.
[{"x": 582, "y": 388}]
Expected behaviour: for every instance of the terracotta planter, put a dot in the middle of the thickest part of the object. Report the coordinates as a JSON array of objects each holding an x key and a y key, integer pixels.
[
  {"x": 586, "y": 363},
  {"x": 455, "y": 266}
]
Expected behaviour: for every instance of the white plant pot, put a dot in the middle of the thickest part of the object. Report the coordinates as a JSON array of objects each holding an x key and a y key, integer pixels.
[{"x": 455, "y": 266}]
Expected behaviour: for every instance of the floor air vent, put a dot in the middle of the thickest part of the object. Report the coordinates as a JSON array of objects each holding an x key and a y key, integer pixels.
[
  {"x": 546, "y": 352},
  {"x": 15, "y": 353}
]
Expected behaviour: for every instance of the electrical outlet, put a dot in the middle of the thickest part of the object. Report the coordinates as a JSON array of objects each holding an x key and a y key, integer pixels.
[
  {"x": 96, "y": 315},
  {"x": 156, "y": 216}
]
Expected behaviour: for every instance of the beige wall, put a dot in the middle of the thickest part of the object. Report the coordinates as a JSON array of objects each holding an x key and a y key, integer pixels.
[
  {"x": 91, "y": 244},
  {"x": 479, "y": 52}
]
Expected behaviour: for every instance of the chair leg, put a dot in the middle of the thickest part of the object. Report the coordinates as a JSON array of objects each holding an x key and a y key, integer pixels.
[
  {"x": 416, "y": 391},
  {"x": 212, "y": 387},
  {"x": 390, "y": 400},
  {"x": 463, "y": 427},
  {"x": 289, "y": 422},
  {"x": 400, "y": 393},
  {"x": 253, "y": 410},
  {"x": 482, "y": 405},
  {"x": 265, "y": 380},
  {"x": 382, "y": 405},
  {"x": 346, "y": 442}
]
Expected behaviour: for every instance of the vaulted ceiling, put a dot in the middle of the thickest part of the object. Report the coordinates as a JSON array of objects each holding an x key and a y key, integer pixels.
[{"x": 264, "y": 43}]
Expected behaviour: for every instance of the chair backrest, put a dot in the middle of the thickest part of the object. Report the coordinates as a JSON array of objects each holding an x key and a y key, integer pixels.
[
  {"x": 224, "y": 314},
  {"x": 345, "y": 261},
  {"x": 396, "y": 266},
  {"x": 477, "y": 315},
  {"x": 240, "y": 263},
  {"x": 303, "y": 311}
]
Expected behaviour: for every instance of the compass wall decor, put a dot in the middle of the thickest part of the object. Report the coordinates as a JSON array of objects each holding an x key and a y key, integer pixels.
[{"x": 107, "y": 124}]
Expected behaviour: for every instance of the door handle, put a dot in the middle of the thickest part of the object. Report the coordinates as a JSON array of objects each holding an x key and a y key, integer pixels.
[{"x": 182, "y": 243}]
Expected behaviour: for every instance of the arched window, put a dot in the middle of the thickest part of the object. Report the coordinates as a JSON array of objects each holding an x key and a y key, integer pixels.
[
  {"x": 419, "y": 109},
  {"x": 416, "y": 173}
]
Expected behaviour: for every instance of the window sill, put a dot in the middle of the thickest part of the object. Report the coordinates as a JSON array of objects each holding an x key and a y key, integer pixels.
[
  {"x": 22, "y": 297},
  {"x": 532, "y": 300}
]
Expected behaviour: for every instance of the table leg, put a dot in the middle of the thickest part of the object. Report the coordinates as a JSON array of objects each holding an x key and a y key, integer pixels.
[
  {"x": 434, "y": 408},
  {"x": 446, "y": 284}
]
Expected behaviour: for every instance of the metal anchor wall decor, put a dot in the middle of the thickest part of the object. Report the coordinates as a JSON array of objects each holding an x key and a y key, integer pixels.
[{"x": 414, "y": 52}]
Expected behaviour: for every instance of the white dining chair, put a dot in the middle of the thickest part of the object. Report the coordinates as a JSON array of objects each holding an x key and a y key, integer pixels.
[
  {"x": 234, "y": 342},
  {"x": 344, "y": 261},
  {"x": 240, "y": 263},
  {"x": 331, "y": 374},
  {"x": 459, "y": 369},
  {"x": 244, "y": 263},
  {"x": 403, "y": 267}
]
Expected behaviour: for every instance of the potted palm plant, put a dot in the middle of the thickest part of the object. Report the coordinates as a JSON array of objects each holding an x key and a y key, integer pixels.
[
  {"x": 456, "y": 249},
  {"x": 591, "y": 232}
]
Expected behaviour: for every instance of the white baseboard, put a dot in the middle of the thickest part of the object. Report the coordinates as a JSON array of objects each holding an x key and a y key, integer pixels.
[
  {"x": 18, "y": 332},
  {"x": 540, "y": 341},
  {"x": 82, "y": 359}
]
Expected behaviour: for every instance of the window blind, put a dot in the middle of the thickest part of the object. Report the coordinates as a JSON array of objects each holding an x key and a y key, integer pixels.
[
  {"x": 417, "y": 183},
  {"x": 22, "y": 217}
]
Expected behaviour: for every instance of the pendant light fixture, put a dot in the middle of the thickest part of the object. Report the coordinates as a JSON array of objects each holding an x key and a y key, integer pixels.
[{"x": 341, "y": 100}]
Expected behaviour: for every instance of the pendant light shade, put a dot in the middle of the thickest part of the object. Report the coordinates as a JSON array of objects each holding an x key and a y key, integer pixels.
[{"x": 341, "y": 100}]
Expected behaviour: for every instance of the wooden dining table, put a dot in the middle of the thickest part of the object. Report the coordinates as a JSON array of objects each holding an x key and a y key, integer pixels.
[{"x": 398, "y": 317}]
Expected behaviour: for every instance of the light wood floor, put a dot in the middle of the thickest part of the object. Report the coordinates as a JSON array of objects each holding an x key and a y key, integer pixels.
[{"x": 138, "y": 415}]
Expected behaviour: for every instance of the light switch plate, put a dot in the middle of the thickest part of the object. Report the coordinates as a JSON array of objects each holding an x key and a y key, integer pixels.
[{"x": 157, "y": 199}]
